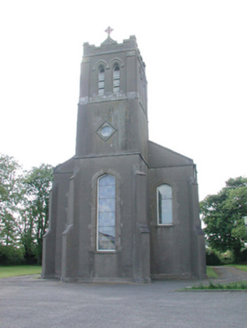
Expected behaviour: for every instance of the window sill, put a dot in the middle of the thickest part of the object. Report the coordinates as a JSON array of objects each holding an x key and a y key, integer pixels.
[
  {"x": 105, "y": 252},
  {"x": 164, "y": 225}
]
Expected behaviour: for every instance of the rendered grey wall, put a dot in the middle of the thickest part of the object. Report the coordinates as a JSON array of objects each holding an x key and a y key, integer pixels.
[
  {"x": 52, "y": 250},
  {"x": 124, "y": 262},
  {"x": 170, "y": 245},
  {"x": 126, "y": 116}
]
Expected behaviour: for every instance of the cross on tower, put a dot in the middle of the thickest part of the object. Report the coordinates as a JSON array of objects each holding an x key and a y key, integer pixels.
[{"x": 108, "y": 31}]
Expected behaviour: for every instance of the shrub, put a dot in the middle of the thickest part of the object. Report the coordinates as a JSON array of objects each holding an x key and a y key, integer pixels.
[
  {"x": 244, "y": 255},
  {"x": 212, "y": 258},
  {"x": 10, "y": 255},
  {"x": 227, "y": 257}
]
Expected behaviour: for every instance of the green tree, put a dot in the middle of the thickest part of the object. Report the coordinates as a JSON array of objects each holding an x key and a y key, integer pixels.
[
  {"x": 10, "y": 194},
  {"x": 223, "y": 215},
  {"x": 34, "y": 215},
  {"x": 24, "y": 201}
]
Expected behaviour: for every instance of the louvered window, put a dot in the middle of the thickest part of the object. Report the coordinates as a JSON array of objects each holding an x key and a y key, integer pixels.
[
  {"x": 101, "y": 81},
  {"x": 116, "y": 79}
]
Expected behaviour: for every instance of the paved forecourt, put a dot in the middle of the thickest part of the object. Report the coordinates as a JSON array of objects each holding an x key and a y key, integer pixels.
[{"x": 33, "y": 302}]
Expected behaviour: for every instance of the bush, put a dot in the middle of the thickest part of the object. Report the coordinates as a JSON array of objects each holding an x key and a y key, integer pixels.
[
  {"x": 212, "y": 258},
  {"x": 244, "y": 255},
  {"x": 227, "y": 257},
  {"x": 10, "y": 255}
]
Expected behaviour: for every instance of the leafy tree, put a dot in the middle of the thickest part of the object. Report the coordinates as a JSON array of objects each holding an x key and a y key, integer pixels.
[
  {"x": 223, "y": 215},
  {"x": 10, "y": 194},
  {"x": 34, "y": 216},
  {"x": 24, "y": 201},
  {"x": 26, "y": 232}
]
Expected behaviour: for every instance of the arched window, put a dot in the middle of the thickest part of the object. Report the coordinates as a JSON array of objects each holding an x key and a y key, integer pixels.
[
  {"x": 106, "y": 213},
  {"x": 164, "y": 204},
  {"x": 116, "y": 78},
  {"x": 101, "y": 80}
]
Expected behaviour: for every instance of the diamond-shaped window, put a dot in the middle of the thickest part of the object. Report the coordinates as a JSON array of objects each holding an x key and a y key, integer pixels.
[{"x": 106, "y": 130}]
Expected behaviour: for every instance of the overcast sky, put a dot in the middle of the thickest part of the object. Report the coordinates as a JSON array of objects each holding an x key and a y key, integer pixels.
[{"x": 196, "y": 65}]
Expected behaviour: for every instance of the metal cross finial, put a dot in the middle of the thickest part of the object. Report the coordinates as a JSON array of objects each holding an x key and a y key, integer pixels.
[{"x": 108, "y": 30}]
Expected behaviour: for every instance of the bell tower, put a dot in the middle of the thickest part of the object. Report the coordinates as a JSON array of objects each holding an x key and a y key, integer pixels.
[
  {"x": 112, "y": 109},
  {"x": 106, "y": 234}
]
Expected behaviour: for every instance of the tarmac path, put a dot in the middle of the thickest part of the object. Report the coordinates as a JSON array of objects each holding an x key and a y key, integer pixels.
[{"x": 229, "y": 274}]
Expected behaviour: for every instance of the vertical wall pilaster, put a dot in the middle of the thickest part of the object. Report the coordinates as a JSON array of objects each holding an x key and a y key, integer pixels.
[
  {"x": 141, "y": 233},
  {"x": 197, "y": 246},
  {"x": 70, "y": 239},
  {"x": 49, "y": 239}
]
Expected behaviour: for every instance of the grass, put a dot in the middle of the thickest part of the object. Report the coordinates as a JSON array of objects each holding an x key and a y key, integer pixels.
[
  {"x": 19, "y": 270},
  {"x": 231, "y": 285},
  {"x": 211, "y": 273}
]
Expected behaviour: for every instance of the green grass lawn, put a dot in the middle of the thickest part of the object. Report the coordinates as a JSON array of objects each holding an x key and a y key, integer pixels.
[
  {"x": 242, "y": 285},
  {"x": 211, "y": 273},
  {"x": 19, "y": 270}
]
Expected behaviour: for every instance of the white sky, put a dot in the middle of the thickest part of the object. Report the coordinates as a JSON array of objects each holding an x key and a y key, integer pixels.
[{"x": 196, "y": 57}]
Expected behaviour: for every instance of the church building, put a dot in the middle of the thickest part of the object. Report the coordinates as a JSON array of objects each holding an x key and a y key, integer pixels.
[{"x": 123, "y": 208}]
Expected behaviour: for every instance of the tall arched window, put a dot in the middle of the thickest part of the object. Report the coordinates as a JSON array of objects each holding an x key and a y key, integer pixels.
[
  {"x": 164, "y": 204},
  {"x": 101, "y": 80},
  {"x": 106, "y": 213},
  {"x": 116, "y": 79}
]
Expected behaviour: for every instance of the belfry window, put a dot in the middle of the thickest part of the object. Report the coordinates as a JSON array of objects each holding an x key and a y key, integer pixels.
[
  {"x": 101, "y": 80},
  {"x": 164, "y": 204},
  {"x": 106, "y": 213},
  {"x": 116, "y": 79}
]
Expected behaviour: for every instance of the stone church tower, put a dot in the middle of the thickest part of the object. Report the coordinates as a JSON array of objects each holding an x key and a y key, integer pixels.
[{"x": 123, "y": 208}]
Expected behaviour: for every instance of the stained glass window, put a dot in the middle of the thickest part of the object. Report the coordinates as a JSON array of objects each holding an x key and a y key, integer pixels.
[
  {"x": 164, "y": 204},
  {"x": 106, "y": 213}
]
